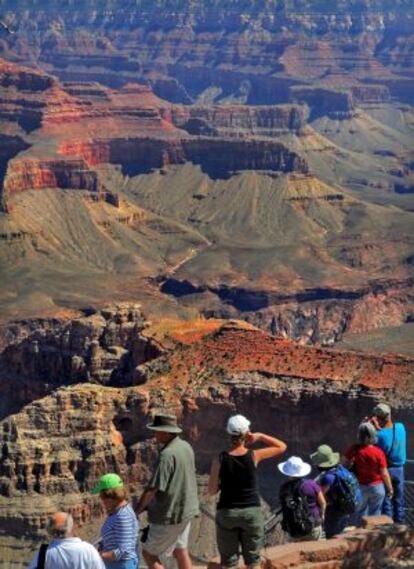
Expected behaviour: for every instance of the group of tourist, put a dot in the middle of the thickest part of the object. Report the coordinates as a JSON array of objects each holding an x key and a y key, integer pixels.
[{"x": 368, "y": 479}]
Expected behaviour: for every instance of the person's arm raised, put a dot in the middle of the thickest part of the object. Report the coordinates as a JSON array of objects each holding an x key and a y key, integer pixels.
[{"x": 274, "y": 447}]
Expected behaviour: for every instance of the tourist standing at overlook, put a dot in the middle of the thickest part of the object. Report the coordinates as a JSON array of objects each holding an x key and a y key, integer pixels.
[
  {"x": 119, "y": 532},
  {"x": 370, "y": 466},
  {"x": 392, "y": 439},
  {"x": 340, "y": 488},
  {"x": 171, "y": 497},
  {"x": 239, "y": 518},
  {"x": 65, "y": 551},
  {"x": 302, "y": 501}
]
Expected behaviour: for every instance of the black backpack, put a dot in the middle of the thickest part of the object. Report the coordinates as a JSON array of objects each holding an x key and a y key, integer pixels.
[{"x": 298, "y": 519}]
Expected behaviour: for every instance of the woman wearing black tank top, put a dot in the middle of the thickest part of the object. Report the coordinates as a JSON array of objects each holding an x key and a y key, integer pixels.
[{"x": 239, "y": 519}]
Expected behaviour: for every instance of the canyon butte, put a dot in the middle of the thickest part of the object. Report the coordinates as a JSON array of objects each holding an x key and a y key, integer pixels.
[{"x": 206, "y": 207}]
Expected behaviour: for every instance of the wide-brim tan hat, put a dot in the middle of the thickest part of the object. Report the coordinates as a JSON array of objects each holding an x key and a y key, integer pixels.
[
  {"x": 165, "y": 424},
  {"x": 325, "y": 457}
]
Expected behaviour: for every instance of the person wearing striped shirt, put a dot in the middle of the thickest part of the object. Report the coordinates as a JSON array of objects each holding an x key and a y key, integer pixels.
[{"x": 119, "y": 532}]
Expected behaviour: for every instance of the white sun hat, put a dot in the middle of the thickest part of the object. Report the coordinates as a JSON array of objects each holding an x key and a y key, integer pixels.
[
  {"x": 295, "y": 467},
  {"x": 238, "y": 425}
]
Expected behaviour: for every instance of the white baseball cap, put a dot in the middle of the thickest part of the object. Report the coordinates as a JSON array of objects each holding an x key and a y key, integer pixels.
[
  {"x": 238, "y": 425},
  {"x": 295, "y": 467}
]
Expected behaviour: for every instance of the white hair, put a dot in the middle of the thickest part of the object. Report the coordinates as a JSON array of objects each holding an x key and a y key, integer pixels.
[{"x": 367, "y": 434}]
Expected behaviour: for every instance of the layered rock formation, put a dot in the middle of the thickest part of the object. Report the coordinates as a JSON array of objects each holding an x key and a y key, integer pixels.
[
  {"x": 315, "y": 316},
  {"x": 104, "y": 348},
  {"x": 57, "y": 446},
  {"x": 239, "y": 120},
  {"x": 219, "y": 159},
  {"x": 34, "y": 174},
  {"x": 27, "y": 106},
  {"x": 227, "y": 181},
  {"x": 209, "y": 50},
  {"x": 335, "y": 104}
]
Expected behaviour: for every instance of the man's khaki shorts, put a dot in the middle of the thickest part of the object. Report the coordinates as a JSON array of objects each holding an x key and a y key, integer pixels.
[{"x": 163, "y": 540}]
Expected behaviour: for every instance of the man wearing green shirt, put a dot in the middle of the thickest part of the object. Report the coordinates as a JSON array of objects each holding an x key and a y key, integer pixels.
[{"x": 171, "y": 497}]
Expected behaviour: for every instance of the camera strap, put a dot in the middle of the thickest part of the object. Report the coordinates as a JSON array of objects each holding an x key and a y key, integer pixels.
[{"x": 41, "y": 559}]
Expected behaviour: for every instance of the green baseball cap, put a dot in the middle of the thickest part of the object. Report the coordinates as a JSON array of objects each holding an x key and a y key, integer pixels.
[{"x": 108, "y": 482}]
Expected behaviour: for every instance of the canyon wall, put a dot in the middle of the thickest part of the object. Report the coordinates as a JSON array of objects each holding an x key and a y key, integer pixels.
[
  {"x": 10, "y": 146},
  {"x": 330, "y": 102},
  {"x": 136, "y": 130},
  {"x": 217, "y": 158},
  {"x": 104, "y": 347},
  {"x": 312, "y": 316},
  {"x": 32, "y": 174},
  {"x": 235, "y": 121}
]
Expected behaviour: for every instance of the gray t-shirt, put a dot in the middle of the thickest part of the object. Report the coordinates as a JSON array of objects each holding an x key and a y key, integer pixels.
[{"x": 176, "y": 500}]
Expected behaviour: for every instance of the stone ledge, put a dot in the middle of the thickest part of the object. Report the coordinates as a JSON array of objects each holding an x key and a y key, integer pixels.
[
  {"x": 370, "y": 522},
  {"x": 364, "y": 548},
  {"x": 314, "y": 552}
]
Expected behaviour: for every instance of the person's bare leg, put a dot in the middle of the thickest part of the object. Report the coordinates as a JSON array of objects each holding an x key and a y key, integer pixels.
[
  {"x": 152, "y": 561},
  {"x": 183, "y": 559}
]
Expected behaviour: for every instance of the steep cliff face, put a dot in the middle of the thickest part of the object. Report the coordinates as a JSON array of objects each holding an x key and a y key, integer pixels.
[
  {"x": 206, "y": 370},
  {"x": 30, "y": 174},
  {"x": 10, "y": 146},
  {"x": 14, "y": 76},
  {"x": 315, "y": 316},
  {"x": 328, "y": 102},
  {"x": 104, "y": 347},
  {"x": 371, "y": 94},
  {"x": 232, "y": 120},
  {"x": 114, "y": 119},
  {"x": 217, "y": 158}
]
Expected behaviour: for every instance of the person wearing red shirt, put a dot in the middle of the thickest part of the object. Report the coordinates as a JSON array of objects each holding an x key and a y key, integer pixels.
[{"x": 370, "y": 467}]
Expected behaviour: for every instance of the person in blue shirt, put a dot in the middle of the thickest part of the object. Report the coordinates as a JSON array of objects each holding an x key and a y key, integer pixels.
[{"x": 392, "y": 440}]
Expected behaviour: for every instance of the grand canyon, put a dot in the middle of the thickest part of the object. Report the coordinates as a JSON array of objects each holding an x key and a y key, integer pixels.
[{"x": 206, "y": 207}]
